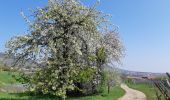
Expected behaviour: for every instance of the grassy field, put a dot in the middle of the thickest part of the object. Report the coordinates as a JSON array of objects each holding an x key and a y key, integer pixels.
[
  {"x": 24, "y": 96},
  {"x": 6, "y": 78},
  {"x": 145, "y": 88},
  {"x": 116, "y": 92}
]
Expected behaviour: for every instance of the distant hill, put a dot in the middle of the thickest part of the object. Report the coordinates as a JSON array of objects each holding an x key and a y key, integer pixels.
[
  {"x": 9, "y": 62},
  {"x": 5, "y": 61},
  {"x": 140, "y": 74}
]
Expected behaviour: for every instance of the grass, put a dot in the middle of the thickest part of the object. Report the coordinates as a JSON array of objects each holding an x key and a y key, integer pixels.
[
  {"x": 25, "y": 96},
  {"x": 7, "y": 79},
  {"x": 115, "y": 93},
  {"x": 145, "y": 88}
]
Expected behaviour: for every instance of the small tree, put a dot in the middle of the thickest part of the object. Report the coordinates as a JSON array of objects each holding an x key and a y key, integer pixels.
[
  {"x": 62, "y": 40},
  {"x": 112, "y": 77}
]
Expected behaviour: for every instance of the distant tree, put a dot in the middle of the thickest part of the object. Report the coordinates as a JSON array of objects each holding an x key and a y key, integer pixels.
[
  {"x": 112, "y": 78},
  {"x": 68, "y": 40}
]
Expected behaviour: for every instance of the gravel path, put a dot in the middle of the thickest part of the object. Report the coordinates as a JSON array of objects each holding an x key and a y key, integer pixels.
[{"x": 132, "y": 94}]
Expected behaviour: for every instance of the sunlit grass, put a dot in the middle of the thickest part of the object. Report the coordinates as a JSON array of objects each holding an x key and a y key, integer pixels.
[
  {"x": 149, "y": 90},
  {"x": 6, "y": 78},
  {"x": 115, "y": 93}
]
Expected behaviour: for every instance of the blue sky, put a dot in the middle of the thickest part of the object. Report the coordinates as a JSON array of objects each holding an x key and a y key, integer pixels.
[{"x": 144, "y": 26}]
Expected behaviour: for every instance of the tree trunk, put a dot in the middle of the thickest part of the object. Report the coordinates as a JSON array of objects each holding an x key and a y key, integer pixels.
[{"x": 108, "y": 87}]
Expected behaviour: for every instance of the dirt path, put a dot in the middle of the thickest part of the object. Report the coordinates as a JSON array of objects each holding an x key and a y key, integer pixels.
[{"x": 132, "y": 94}]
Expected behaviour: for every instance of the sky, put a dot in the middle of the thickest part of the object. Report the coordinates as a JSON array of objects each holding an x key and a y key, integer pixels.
[{"x": 144, "y": 27}]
